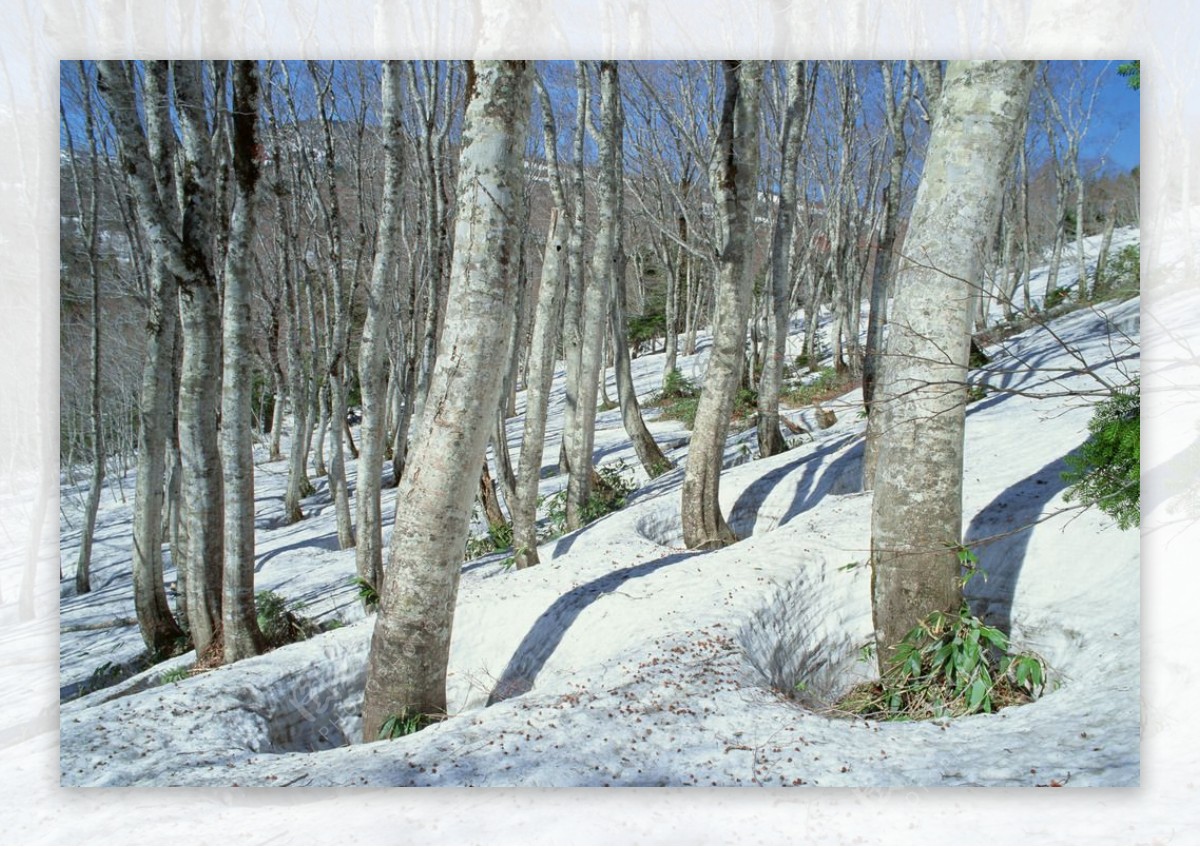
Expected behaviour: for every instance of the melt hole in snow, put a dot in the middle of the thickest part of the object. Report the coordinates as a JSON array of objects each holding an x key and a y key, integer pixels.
[
  {"x": 662, "y": 526},
  {"x": 317, "y": 707},
  {"x": 804, "y": 643}
]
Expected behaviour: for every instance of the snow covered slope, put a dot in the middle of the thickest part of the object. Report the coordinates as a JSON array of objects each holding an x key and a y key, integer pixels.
[{"x": 625, "y": 659}]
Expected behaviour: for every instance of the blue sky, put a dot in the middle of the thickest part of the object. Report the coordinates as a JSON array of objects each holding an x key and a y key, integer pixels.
[{"x": 1117, "y": 124}]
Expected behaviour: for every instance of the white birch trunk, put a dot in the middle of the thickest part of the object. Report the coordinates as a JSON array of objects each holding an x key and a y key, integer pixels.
[
  {"x": 734, "y": 184},
  {"x": 410, "y": 645},
  {"x": 917, "y": 512},
  {"x": 373, "y": 349}
]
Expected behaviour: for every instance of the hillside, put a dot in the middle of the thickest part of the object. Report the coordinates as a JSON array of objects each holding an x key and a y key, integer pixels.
[{"x": 625, "y": 659}]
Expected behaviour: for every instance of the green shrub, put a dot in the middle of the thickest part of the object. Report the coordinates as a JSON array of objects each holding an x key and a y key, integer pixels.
[
  {"x": 104, "y": 675},
  {"x": 174, "y": 675},
  {"x": 501, "y": 535},
  {"x": 367, "y": 592},
  {"x": 676, "y": 386},
  {"x": 1055, "y": 297},
  {"x": 682, "y": 410},
  {"x": 948, "y": 665},
  {"x": 398, "y": 726},
  {"x": 678, "y": 399},
  {"x": 611, "y": 488},
  {"x": 1106, "y": 470},
  {"x": 826, "y": 384},
  {"x": 745, "y": 404},
  {"x": 278, "y": 620},
  {"x": 1123, "y": 276}
]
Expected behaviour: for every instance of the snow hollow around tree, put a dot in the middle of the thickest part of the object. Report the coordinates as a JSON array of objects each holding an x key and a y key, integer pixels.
[{"x": 624, "y": 659}]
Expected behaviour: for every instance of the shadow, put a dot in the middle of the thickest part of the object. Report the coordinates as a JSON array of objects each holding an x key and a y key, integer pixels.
[
  {"x": 548, "y": 630},
  {"x": 1175, "y": 479},
  {"x": 1011, "y": 516},
  {"x": 324, "y": 542},
  {"x": 564, "y": 543},
  {"x": 744, "y": 514}
]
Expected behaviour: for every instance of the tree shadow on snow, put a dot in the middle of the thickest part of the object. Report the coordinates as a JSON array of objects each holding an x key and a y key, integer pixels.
[
  {"x": 328, "y": 542},
  {"x": 548, "y": 630},
  {"x": 842, "y": 476},
  {"x": 1010, "y": 515}
]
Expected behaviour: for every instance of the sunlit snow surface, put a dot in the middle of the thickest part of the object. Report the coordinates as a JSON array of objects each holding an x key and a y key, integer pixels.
[{"x": 625, "y": 659}]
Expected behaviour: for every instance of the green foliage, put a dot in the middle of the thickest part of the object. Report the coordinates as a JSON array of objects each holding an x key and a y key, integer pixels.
[
  {"x": 366, "y": 592},
  {"x": 660, "y": 467},
  {"x": 682, "y": 410},
  {"x": 1123, "y": 276},
  {"x": 501, "y": 535},
  {"x": 278, "y": 621},
  {"x": 646, "y": 327},
  {"x": 1106, "y": 470},
  {"x": 1132, "y": 71},
  {"x": 616, "y": 484},
  {"x": 976, "y": 393},
  {"x": 178, "y": 674},
  {"x": 104, "y": 675},
  {"x": 948, "y": 665},
  {"x": 1055, "y": 297},
  {"x": 745, "y": 404},
  {"x": 610, "y": 491},
  {"x": 676, "y": 386},
  {"x": 405, "y": 723},
  {"x": 826, "y": 384}
]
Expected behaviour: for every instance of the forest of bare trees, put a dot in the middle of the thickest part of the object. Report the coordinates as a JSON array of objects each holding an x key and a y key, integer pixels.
[{"x": 263, "y": 252}]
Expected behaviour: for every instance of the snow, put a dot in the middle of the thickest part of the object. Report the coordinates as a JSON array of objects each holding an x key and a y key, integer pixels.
[{"x": 626, "y": 660}]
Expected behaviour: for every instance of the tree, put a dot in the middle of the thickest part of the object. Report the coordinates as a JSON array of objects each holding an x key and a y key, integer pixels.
[
  {"x": 897, "y": 99},
  {"x": 200, "y": 374},
  {"x": 341, "y": 294},
  {"x": 1132, "y": 71},
  {"x": 540, "y": 368},
  {"x": 410, "y": 645},
  {"x": 89, "y": 226},
  {"x": 146, "y": 156},
  {"x": 734, "y": 185},
  {"x": 916, "y": 519},
  {"x": 783, "y": 245},
  {"x": 241, "y": 635},
  {"x": 572, "y": 333},
  {"x": 374, "y": 340}
]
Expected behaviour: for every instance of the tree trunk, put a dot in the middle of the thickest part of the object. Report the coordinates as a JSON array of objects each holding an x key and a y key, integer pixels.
[
  {"x": 371, "y": 356},
  {"x": 539, "y": 376},
  {"x": 410, "y": 646},
  {"x": 89, "y": 225},
  {"x": 342, "y": 294},
  {"x": 1110, "y": 218},
  {"x": 200, "y": 375},
  {"x": 881, "y": 279},
  {"x": 916, "y": 520},
  {"x": 612, "y": 194},
  {"x": 734, "y": 184},
  {"x": 492, "y": 513},
  {"x": 573, "y": 304},
  {"x": 671, "y": 342},
  {"x": 299, "y": 380},
  {"x": 595, "y": 309},
  {"x": 157, "y": 407},
  {"x": 242, "y": 637},
  {"x": 770, "y": 438},
  {"x": 648, "y": 452}
]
